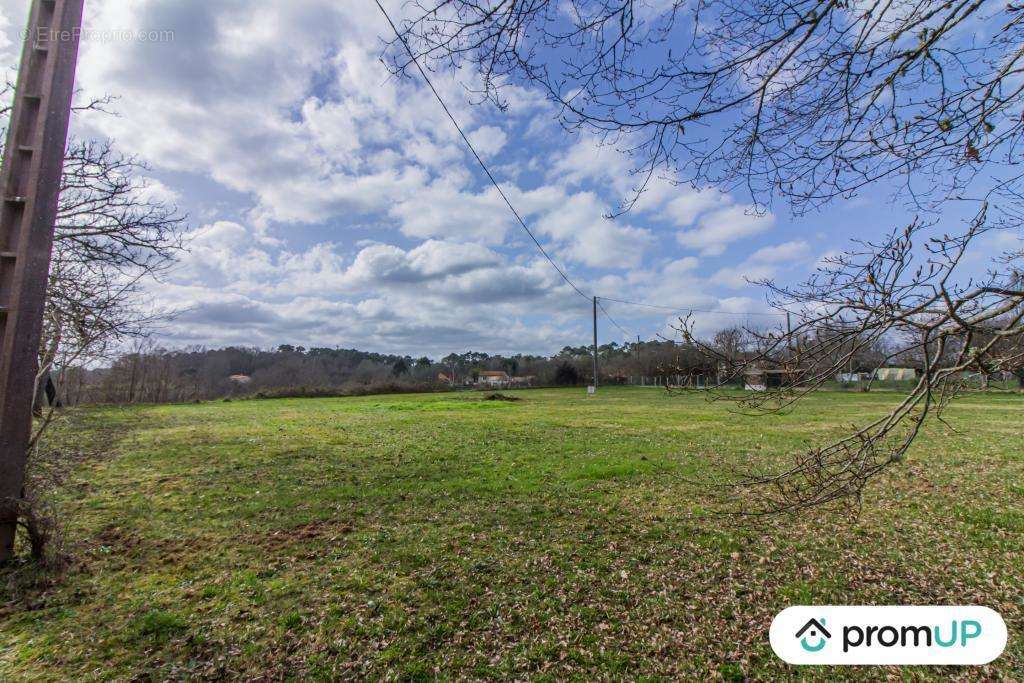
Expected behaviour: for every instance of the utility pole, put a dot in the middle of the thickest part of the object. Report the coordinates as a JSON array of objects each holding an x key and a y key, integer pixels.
[
  {"x": 595, "y": 343},
  {"x": 639, "y": 367},
  {"x": 30, "y": 184},
  {"x": 789, "y": 335}
]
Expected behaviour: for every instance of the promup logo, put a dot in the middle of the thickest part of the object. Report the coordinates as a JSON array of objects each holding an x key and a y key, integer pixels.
[
  {"x": 817, "y": 631},
  {"x": 888, "y": 635}
]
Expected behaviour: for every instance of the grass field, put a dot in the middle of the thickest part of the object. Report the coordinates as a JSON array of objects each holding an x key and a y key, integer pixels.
[{"x": 553, "y": 537}]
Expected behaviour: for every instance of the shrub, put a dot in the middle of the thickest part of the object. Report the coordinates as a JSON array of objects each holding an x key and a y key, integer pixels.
[{"x": 567, "y": 375}]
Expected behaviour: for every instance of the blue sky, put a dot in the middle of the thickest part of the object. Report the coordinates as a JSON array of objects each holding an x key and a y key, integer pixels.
[{"x": 332, "y": 205}]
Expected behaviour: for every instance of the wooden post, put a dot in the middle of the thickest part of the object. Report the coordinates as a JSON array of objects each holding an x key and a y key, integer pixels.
[{"x": 30, "y": 183}]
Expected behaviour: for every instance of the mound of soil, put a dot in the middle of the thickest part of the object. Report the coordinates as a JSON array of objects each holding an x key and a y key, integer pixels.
[{"x": 501, "y": 397}]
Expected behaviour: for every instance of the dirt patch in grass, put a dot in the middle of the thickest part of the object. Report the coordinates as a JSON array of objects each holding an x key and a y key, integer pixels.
[
  {"x": 328, "y": 530},
  {"x": 114, "y": 537},
  {"x": 502, "y": 397}
]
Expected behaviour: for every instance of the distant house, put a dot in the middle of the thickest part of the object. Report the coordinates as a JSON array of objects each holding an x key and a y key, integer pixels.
[
  {"x": 524, "y": 381},
  {"x": 494, "y": 378},
  {"x": 895, "y": 374},
  {"x": 444, "y": 378},
  {"x": 239, "y": 384}
]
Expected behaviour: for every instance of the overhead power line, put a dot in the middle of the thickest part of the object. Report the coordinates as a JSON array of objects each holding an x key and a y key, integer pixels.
[
  {"x": 688, "y": 310},
  {"x": 512, "y": 208},
  {"x": 612, "y": 320},
  {"x": 472, "y": 149}
]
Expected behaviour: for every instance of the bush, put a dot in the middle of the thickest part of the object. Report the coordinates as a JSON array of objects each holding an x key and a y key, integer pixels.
[{"x": 567, "y": 375}]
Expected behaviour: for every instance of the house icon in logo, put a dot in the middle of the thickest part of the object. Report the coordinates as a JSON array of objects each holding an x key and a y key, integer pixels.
[{"x": 814, "y": 629}]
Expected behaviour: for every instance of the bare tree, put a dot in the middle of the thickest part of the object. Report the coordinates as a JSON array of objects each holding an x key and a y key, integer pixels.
[
  {"x": 111, "y": 233},
  {"x": 809, "y": 100},
  {"x": 110, "y": 236},
  {"x": 949, "y": 329},
  {"x": 803, "y": 102}
]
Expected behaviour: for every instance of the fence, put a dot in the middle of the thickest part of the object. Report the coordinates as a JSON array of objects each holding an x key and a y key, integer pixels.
[{"x": 686, "y": 381}]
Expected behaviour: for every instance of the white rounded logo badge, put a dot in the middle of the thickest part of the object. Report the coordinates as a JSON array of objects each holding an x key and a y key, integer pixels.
[{"x": 858, "y": 635}]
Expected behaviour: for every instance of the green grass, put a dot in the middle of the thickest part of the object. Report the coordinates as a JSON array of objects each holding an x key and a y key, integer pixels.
[{"x": 415, "y": 537}]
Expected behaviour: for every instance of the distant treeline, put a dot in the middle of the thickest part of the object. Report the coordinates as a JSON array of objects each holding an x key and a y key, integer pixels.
[
  {"x": 154, "y": 375},
  {"x": 172, "y": 376}
]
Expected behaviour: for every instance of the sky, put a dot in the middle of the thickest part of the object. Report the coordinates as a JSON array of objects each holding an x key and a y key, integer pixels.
[{"x": 331, "y": 204}]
